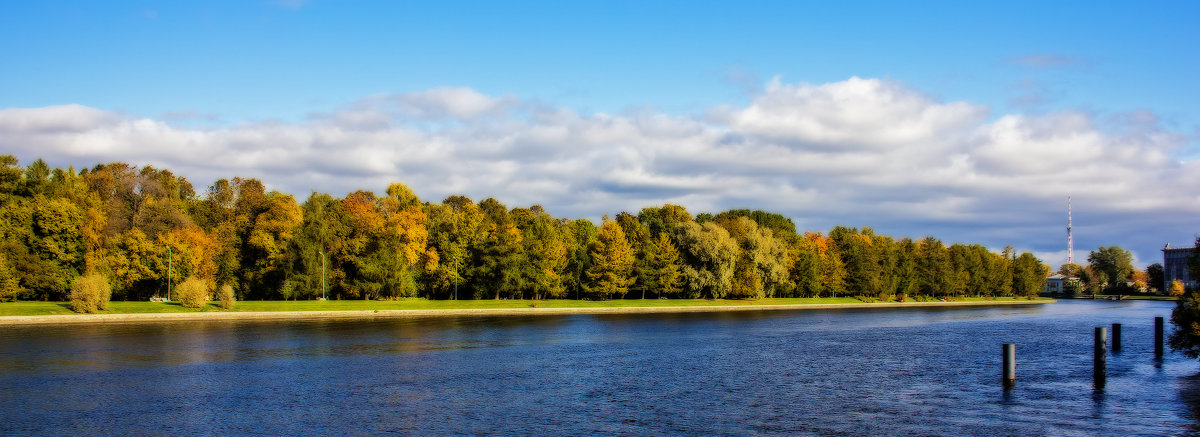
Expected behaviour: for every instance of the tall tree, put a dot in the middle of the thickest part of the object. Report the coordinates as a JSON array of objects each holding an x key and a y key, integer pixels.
[
  {"x": 1154, "y": 275},
  {"x": 862, "y": 260},
  {"x": 662, "y": 274},
  {"x": 664, "y": 219},
  {"x": 612, "y": 262},
  {"x": 579, "y": 236},
  {"x": 546, "y": 252},
  {"x": 1115, "y": 263},
  {"x": 497, "y": 269},
  {"x": 761, "y": 268},
  {"x": 934, "y": 268},
  {"x": 709, "y": 258},
  {"x": 1029, "y": 275}
]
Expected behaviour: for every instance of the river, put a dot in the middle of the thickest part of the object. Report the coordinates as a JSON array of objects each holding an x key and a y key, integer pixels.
[{"x": 927, "y": 371}]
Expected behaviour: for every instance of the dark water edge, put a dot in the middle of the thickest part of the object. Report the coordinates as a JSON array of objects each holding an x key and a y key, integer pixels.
[{"x": 928, "y": 371}]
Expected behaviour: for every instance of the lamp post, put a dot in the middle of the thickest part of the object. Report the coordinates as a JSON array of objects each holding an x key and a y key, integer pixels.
[{"x": 323, "y": 275}]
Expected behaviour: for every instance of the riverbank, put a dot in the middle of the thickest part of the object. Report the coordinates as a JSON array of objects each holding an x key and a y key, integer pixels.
[{"x": 131, "y": 312}]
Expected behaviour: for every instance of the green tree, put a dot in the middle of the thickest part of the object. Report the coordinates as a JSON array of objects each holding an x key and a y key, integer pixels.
[
  {"x": 1185, "y": 337},
  {"x": 934, "y": 270},
  {"x": 907, "y": 282},
  {"x": 662, "y": 272},
  {"x": 579, "y": 236},
  {"x": 1155, "y": 278},
  {"x": 456, "y": 229},
  {"x": 10, "y": 175},
  {"x": 497, "y": 268},
  {"x": 861, "y": 259},
  {"x": 664, "y": 219},
  {"x": 1029, "y": 275},
  {"x": 1116, "y": 265},
  {"x": 10, "y": 288},
  {"x": 309, "y": 251},
  {"x": 546, "y": 253},
  {"x": 709, "y": 258},
  {"x": 761, "y": 268}
]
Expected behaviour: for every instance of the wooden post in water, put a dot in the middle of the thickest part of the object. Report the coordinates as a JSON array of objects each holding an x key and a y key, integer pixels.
[
  {"x": 1010, "y": 364},
  {"x": 1158, "y": 338},
  {"x": 1100, "y": 355},
  {"x": 1116, "y": 327}
]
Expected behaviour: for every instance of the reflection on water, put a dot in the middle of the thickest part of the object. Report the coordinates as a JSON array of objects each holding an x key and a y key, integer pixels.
[{"x": 862, "y": 371}]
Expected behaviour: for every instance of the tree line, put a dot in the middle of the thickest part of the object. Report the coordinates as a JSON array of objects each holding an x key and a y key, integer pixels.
[
  {"x": 1110, "y": 270},
  {"x": 144, "y": 227}
]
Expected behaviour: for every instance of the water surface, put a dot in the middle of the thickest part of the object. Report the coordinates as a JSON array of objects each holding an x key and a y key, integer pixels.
[{"x": 930, "y": 371}]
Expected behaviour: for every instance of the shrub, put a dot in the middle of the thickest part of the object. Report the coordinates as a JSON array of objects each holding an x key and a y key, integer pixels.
[
  {"x": 192, "y": 293},
  {"x": 89, "y": 293},
  {"x": 226, "y": 296},
  {"x": 1176, "y": 288}
]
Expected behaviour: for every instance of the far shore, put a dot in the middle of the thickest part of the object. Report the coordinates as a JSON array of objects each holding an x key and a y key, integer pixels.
[{"x": 65, "y": 319}]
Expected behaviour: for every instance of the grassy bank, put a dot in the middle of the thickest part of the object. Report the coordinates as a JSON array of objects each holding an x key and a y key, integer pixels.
[{"x": 117, "y": 307}]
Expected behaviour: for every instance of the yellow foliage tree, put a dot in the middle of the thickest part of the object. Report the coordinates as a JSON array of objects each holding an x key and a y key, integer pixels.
[
  {"x": 89, "y": 293},
  {"x": 612, "y": 259},
  {"x": 192, "y": 293},
  {"x": 1177, "y": 288}
]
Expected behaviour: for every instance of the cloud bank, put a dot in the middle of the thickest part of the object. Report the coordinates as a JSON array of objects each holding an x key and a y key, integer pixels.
[{"x": 861, "y": 152}]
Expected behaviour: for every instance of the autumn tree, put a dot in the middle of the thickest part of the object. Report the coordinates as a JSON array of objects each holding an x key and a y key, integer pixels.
[
  {"x": 638, "y": 236},
  {"x": 612, "y": 262},
  {"x": 89, "y": 293},
  {"x": 192, "y": 292}
]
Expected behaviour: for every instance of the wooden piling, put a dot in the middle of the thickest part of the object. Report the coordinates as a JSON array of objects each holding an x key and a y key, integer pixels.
[
  {"x": 1010, "y": 364},
  {"x": 1100, "y": 355},
  {"x": 1116, "y": 337},
  {"x": 1158, "y": 338}
]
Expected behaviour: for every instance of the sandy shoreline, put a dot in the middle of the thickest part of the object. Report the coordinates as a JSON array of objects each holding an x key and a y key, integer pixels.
[{"x": 368, "y": 314}]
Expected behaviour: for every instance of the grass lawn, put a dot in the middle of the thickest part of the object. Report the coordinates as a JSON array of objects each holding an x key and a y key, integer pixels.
[{"x": 119, "y": 307}]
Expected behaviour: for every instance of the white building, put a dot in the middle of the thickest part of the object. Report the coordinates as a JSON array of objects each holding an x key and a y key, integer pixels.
[{"x": 1057, "y": 283}]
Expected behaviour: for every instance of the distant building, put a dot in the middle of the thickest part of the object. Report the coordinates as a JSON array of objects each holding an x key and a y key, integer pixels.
[
  {"x": 1057, "y": 283},
  {"x": 1175, "y": 266}
]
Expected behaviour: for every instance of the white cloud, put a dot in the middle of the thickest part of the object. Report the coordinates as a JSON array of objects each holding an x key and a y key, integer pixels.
[
  {"x": 858, "y": 113},
  {"x": 862, "y": 152},
  {"x": 459, "y": 103}
]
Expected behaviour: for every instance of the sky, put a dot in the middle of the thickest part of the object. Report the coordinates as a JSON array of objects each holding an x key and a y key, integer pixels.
[{"x": 969, "y": 121}]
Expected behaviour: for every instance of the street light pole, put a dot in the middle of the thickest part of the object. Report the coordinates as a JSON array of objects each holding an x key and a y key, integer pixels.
[{"x": 323, "y": 275}]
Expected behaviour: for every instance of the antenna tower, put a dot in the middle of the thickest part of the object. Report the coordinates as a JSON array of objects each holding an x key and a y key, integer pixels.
[{"x": 1070, "y": 242}]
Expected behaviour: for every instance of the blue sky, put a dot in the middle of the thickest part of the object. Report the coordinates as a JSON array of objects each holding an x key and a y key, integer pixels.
[{"x": 594, "y": 107}]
